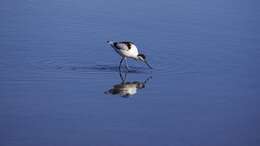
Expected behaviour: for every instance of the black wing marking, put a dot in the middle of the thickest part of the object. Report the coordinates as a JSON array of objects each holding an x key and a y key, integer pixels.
[
  {"x": 123, "y": 45},
  {"x": 128, "y": 44},
  {"x": 114, "y": 44}
]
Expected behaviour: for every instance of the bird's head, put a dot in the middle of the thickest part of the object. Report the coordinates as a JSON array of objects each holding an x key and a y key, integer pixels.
[{"x": 143, "y": 59}]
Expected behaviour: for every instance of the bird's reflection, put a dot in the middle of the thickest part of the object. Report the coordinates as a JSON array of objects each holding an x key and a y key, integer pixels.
[{"x": 126, "y": 88}]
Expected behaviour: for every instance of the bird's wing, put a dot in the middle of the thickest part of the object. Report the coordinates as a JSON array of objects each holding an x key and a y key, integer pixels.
[{"x": 123, "y": 45}]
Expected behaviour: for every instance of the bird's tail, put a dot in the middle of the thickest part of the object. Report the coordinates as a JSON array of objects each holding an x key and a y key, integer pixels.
[{"x": 110, "y": 42}]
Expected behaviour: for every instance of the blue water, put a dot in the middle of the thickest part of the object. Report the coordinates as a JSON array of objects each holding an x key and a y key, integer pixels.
[{"x": 56, "y": 71}]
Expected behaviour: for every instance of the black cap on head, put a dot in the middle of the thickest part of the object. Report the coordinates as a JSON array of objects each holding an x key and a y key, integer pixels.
[
  {"x": 142, "y": 55},
  {"x": 143, "y": 59}
]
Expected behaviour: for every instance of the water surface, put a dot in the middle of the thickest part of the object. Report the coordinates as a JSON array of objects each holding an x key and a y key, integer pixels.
[{"x": 56, "y": 70}]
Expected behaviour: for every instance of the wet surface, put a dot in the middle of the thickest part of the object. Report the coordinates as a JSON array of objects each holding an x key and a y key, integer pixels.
[{"x": 60, "y": 85}]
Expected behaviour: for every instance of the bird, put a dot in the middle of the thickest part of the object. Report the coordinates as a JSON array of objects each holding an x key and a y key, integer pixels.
[
  {"x": 127, "y": 49},
  {"x": 127, "y": 88}
]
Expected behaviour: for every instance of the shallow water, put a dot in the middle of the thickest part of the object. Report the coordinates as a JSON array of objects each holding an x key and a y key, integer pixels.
[{"x": 56, "y": 72}]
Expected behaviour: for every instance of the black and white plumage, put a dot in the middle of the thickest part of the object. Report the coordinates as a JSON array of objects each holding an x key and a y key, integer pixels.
[
  {"x": 126, "y": 50},
  {"x": 127, "y": 88}
]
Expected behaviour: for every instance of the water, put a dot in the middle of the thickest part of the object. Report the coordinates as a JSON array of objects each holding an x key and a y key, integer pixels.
[{"x": 59, "y": 83}]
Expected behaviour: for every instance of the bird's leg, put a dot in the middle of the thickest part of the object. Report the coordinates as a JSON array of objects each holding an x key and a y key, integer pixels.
[
  {"x": 123, "y": 78},
  {"x": 121, "y": 63},
  {"x": 126, "y": 65}
]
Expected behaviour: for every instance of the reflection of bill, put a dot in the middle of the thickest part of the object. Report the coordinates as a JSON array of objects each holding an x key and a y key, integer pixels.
[{"x": 126, "y": 89}]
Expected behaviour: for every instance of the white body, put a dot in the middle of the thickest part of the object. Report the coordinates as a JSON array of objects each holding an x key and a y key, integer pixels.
[
  {"x": 125, "y": 89},
  {"x": 125, "y": 50}
]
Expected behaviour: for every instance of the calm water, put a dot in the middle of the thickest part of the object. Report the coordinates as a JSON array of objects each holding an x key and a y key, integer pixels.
[{"x": 59, "y": 81}]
